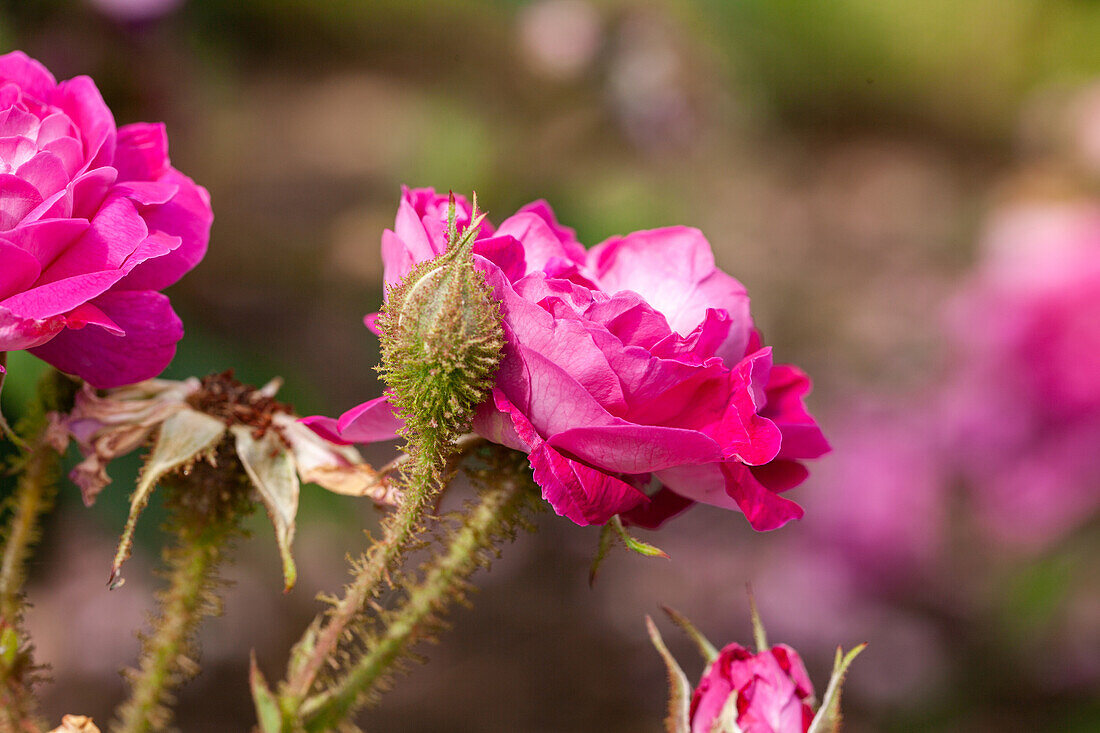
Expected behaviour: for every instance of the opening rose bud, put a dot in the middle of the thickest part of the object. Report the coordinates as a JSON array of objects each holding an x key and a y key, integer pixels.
[
  {"x": 442, "y": 340},
  {"x": 740, "y": 691}
]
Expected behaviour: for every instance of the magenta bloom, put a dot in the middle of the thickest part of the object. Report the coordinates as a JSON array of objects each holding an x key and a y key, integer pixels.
[
  {"x": 630, "y": 366},
  {"x": 94, "y": 221},
  {"x": 1024, "y": 403},
  {"x": 773, "y": 691},
  {"x": 887, "y": 509}
]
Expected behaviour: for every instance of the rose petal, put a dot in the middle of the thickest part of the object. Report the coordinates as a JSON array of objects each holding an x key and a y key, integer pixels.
[
  {"x": 581, "y": 493},
  {"x": 18, "y": 198},
  {"x": 30, "y": 75},
  {"x": 19, "y": 271},
  {"x": 627, "y": 448},
  {"x": 370, "y": 422},
  {"x": 187, "y": 216},
  {"x": 114, "y": 235},
  {"x": 673, "y": 269},
  {"x": 662, "y": 506},
  {"x": 60, "y": 296},
  {"x": 540, "y": 243},
  {"x": 142, "y": 152},
  {"x": 152, "y": 330},
  {"x": 80, "y": 99}
]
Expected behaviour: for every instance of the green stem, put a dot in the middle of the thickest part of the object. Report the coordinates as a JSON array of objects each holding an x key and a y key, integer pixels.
[
  {"x": 205, "y": 521},
  {"x": 36, "y": 489},
  {"x": 444, "y": 580},
  {"x": 34, "y": 496},
  {"x": 398, "y": 531}
]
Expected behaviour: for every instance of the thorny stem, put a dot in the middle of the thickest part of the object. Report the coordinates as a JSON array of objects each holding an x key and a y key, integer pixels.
[
  {"x": 34, "y": 495},
  {"x": 35, "y": 491},
  {"x": 443, "y": 580},
  {"x": 398, "y": 531},
  {"x": 462, "y": 446},
  {"x": 208, "y": 506}
]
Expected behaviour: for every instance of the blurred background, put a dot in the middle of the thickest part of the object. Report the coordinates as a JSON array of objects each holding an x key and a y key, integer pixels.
[{"x": 910, "y": 192}]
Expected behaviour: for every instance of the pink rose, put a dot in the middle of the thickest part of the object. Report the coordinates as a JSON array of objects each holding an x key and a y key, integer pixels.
[
  {"x": 1023, "y": 404},
  {"x": 135, "y": 11},
  {"x": 94, "y": 221},
  {"x": 888, "y": 466},
  {"x": 773, "y": 691},
  {"x": 629, "y": 366}
]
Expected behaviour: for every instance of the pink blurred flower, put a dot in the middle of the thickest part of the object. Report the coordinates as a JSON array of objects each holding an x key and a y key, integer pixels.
[
  {"x": 1024, "y": 405},
  {"x": 887, "y": 509},
  {"x": 630, "y": 365},
  {"x": 773, "y": 691},
  {"x": 135, "y": 11},
  {"x": 560, "y": 38},
  {"x": 94, "y": 221}
]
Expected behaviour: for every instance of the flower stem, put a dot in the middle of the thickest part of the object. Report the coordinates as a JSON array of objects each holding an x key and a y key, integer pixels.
[
  {"x": 443, "y": 581},
  {"x": 38, "y": 468},
  {"x": 34, "y": 496},
  {"x": 207, "y": 507},
  {"x": 421, "y": 487}
]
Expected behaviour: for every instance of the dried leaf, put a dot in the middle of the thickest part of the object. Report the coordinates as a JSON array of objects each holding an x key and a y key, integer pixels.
[
  {"x": 113, "y": 424},
  {"x": 271, "y": 468},
  {"x": 679, "y": 699},
  {"x": 338, "y": 468},
  {"x": 182, "y": 438}
]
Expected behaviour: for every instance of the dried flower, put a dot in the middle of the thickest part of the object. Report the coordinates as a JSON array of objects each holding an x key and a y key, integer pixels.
[{"x": 190, "y": 421}]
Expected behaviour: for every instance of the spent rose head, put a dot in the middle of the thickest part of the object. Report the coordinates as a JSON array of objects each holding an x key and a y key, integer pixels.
[
  {"x": 631, "y": 375},
  {"x": 94, "y": 222}
]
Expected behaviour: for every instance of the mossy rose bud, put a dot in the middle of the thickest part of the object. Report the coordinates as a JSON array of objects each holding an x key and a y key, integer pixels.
[{"x": 442, "y": 339}]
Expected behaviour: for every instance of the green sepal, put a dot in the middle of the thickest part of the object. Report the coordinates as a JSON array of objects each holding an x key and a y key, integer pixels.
[
  {"x": 303, "y": 649},
  {"x": 613, "y": 531},
  {"x": 726, "y": 720},
  {"x": 706, "y": 649},
  {"x": 759, "y": 636},
  {"x": 607, "y": 539},
  {"x": 633, "y": 543},
  {"x": 9, "y": 649},
  {"x": 268, "y": 716},
  {"x": 679, "y": 694},
  {"x": 828, "y": 716}
]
